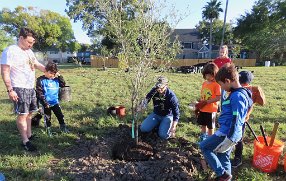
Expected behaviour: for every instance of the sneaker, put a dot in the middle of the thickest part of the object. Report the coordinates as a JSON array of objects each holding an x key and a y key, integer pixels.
[
  {"x": 224, "y": 177},
  {"x": 236, "y": 162},
  {"x": 49, "y": 131},
  {"x": 29, "y": 147},
  {"x": 64, "y": 128},
  {"x": 32, "y": 137}
]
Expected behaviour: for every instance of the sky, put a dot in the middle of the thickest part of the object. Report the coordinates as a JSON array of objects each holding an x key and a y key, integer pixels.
[{"x": 190, "y": 10}]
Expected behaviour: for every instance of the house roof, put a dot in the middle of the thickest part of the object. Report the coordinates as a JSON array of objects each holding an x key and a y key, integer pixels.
[{"x": 187, "y": 35}]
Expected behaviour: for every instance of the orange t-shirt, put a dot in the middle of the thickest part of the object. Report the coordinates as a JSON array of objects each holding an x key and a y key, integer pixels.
[{"x": 210, "y": 90}]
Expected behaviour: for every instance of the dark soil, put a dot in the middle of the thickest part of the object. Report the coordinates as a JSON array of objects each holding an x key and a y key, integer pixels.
[{"x": 116, "y": 157}]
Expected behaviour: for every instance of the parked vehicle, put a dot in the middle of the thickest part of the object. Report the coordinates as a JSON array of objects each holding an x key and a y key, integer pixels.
[{"x": 71, "y": 59}]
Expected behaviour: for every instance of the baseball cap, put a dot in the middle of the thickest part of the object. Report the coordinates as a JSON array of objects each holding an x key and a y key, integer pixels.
[
  {"x": 245, "y": 77},
  {"x": 161, "y": 82}
]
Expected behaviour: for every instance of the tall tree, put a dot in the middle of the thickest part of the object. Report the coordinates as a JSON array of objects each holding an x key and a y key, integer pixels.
[
  {"x": 203, "y": 28},
  {"x": 5, "y": 40},
  {"x": 210, "y": 12},
  {"x": 263, "y": 29},
  {"x": 52, "y": 29},
  {"x": 95, "y": 21}
]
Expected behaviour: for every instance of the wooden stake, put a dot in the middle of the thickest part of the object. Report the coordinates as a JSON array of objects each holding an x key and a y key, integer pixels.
[{"x": 273, "y": 134}]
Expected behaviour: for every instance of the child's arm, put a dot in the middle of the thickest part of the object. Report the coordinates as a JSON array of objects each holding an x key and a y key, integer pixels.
[
  {"x": 40, "y": 93},
  {"x": 212, "y": 100},
  {"x": 248, "y": 113}
]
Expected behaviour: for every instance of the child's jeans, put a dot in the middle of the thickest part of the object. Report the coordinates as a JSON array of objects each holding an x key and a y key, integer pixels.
[
  {"x": 219, "y": 162},
  {"x": 153, "y": 120}
]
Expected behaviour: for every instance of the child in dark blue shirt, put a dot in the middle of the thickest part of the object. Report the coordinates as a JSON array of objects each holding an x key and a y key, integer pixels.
[{"x": 47, "y": 88}]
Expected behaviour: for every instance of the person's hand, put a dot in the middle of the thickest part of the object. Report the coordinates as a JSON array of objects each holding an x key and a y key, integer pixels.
[
  {"x": 47, "y": 106},
  {"x": 13, "y": 96},
  {"x": 57, "y": 74},
  {"x": 201, "y": 104},
  {"x": 224, "y": 146},
  {"x": 197, "y": 112},
  {"x": 172, "y": 132}
]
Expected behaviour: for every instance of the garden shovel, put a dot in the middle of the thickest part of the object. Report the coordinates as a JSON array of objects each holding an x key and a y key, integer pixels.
[
  {"x": 248, "y": 125},
  {"x": 263, "y": 134}
]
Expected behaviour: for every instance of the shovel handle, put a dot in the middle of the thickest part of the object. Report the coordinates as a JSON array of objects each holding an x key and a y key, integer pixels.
[
  {"x": 248, "y": 125},
  {"x": 273, "y": 134},
  {"x": 263, "y": 134}
]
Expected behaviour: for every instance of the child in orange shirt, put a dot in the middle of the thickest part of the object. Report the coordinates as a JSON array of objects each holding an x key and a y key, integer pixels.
[{"x": 207, "y": 107}]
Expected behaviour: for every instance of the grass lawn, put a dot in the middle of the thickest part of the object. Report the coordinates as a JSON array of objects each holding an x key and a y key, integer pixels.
[{"x": 93, "y": 91}]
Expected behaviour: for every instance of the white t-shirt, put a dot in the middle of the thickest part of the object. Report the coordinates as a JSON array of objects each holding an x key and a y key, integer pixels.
[{"x": 21, "y": 72}]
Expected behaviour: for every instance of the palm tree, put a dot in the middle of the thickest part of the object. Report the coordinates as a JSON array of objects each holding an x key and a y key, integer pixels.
[
  {"x": 210, "y": 12},
  {"x": 224, "y": 21}
]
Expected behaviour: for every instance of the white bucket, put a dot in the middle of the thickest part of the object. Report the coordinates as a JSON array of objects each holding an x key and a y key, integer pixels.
[{"x": 267, "y": 63}]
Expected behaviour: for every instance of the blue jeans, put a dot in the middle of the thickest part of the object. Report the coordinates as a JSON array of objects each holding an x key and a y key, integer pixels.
[
  {"x": 153, "y": 120},
  {"x": 219, "y": 162}
]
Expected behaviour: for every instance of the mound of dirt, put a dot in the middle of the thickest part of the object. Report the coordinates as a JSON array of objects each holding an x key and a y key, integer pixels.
[{"x": 116, "y": 157}]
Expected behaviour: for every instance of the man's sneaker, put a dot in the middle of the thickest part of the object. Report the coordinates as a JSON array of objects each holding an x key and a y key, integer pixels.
[
  {"x": 29, "y": 147},
  {"x": 49, "y": 131},
  {"x": 64, "y": 128},
  {"x": 236, "y": 162},
  {"x": 224, "y": 177}
]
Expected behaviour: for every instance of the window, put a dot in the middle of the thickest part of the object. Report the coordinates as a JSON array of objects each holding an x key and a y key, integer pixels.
[
  {"x": 188, "y": 45},
  {"x": 54, "y": 52}
]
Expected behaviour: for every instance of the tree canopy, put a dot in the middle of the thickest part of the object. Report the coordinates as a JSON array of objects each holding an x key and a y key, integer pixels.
[
  {"x": 203, "y": 28},
  {"x": 210, "y": 12},
  {"x": 264, "y": 29},
  {"x": 95, "y": 20},
  {"x": 5, "y": 40},
  {"x": 52, "y": 29}
]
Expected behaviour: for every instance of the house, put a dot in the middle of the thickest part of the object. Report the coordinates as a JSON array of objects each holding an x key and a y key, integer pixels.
[
  {"x": 194, "y": 48},
  {"x": 190, "y": 41},
  {"x": 59, "y": 56}
]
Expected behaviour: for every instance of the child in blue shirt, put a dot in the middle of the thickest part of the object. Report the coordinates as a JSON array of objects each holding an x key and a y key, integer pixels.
[
  {"x": 47, "y": 88},
  {"x": 217, "y": 148}
]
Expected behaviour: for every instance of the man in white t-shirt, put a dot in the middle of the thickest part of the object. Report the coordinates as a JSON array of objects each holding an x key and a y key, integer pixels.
[{"x": 18, "y": 66}]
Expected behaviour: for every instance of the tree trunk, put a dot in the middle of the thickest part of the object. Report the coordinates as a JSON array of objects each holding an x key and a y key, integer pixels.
[
  {"x": 281, "y": 58},
  {"x": 210, "y": 42},
  {"x": 224, "y": 22}
]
